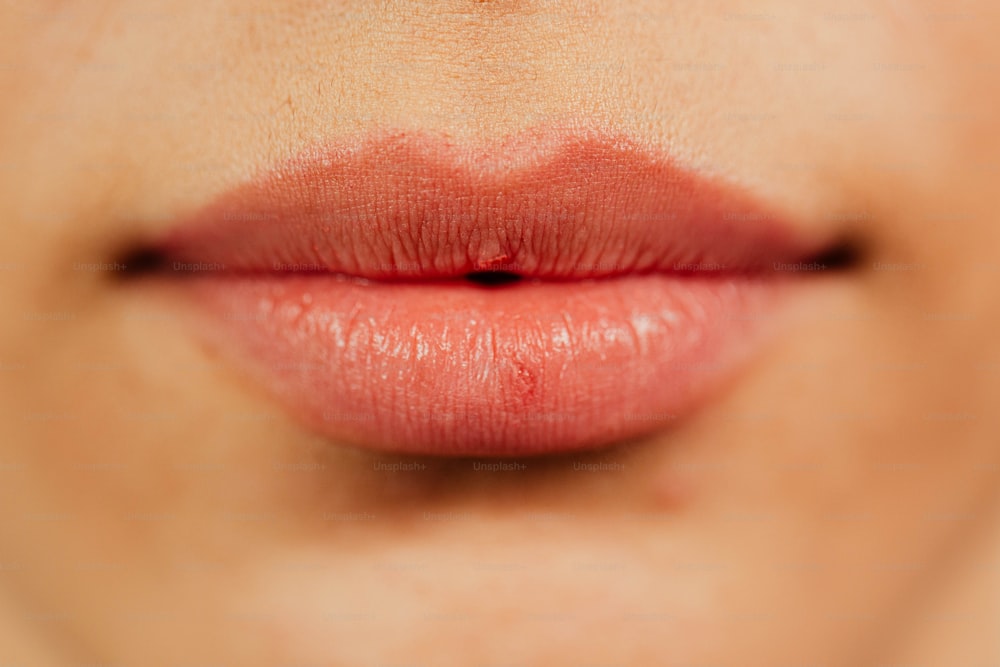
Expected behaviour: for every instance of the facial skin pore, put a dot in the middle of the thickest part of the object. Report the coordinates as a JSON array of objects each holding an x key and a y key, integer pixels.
[{"x": 836, "y": 505}]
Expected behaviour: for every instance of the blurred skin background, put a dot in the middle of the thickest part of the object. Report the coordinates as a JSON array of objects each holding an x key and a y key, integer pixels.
[{"x": 835, "y": 506}]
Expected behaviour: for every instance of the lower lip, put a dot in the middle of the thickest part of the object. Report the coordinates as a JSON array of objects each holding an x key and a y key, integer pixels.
[{"x": 460, "y": 369}]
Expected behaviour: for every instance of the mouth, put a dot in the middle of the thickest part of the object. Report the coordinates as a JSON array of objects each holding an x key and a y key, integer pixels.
[{"x": 549, "y": 293}]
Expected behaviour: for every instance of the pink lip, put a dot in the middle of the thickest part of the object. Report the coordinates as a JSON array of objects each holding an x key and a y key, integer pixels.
[{"x": 337, "y": 281}]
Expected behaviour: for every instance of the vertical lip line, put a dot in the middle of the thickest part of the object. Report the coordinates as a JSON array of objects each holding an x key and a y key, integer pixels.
[
  {"x": 332, "y": 281},
  {"x": 418, "y": 206}
]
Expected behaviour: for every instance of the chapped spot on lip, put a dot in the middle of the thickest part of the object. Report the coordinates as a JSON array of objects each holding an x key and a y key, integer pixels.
[
  {"x": 524, "y": 382},
  {"x": 487, "y": 264}
]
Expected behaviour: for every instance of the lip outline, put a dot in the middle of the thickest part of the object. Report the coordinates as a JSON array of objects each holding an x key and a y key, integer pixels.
[{"x": 191, "y": 228}]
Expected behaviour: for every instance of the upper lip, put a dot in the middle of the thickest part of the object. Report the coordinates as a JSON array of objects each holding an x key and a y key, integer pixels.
[{"x": 415, "y": 207}]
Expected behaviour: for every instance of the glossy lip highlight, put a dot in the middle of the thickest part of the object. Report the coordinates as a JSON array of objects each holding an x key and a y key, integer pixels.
[{"x": 337, "y": 281}]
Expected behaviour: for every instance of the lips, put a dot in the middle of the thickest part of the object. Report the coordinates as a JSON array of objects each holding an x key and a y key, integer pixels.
[{"x": 547, "y": 293}]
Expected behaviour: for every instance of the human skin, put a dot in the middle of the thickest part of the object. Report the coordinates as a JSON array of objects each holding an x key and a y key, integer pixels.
[{"x": 835, "y": 505}]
